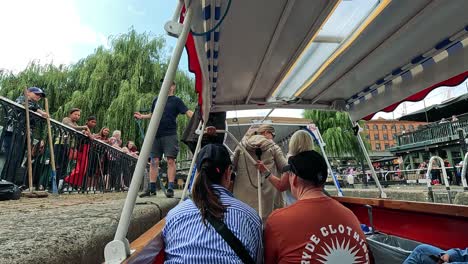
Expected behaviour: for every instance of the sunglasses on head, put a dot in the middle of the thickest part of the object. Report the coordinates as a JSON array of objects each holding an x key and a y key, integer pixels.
[{"x": 289, "y": 169}]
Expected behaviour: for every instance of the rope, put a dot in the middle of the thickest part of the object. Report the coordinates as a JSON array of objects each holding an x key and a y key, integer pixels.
[{"x": 198, "y": 34}]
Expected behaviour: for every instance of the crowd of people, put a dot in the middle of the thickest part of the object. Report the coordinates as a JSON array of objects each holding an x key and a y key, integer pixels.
[{"x": 72, "y": 155}]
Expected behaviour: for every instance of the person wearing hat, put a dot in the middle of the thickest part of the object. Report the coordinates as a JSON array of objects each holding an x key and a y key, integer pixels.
[
  {"x": 189, "y": 234},
  {"x": 258, "y": 140},
  {"x": 166, "y": 142},
  {"x": 324, "y": 230},
  {"x": 13, "y": 135},
  {"x": 34, "y": 94}
]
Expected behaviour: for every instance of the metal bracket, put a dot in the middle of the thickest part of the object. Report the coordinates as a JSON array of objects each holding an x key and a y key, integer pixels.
[
  {"x": 116, "y": 251},
  {"x": 173, "y": 29}
]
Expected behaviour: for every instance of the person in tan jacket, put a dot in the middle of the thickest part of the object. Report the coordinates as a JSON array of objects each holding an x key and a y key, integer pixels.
[{"x": 245, "y": 186}]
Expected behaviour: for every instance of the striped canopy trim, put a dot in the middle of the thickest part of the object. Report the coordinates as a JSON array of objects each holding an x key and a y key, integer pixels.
[
  {"x": 448, "y": 47},
  {"x": 212, "y": 15}
]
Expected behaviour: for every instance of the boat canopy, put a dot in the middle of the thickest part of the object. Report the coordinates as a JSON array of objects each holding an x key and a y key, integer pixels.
[{"x": 360, "y": 56}]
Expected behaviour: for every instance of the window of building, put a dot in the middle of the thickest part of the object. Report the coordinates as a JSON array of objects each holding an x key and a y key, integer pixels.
[
  {"x": 385, "y": 136},
  {"x": 375, "y": 127},
  {"x": 402, "y": 127},
  {"x": 368, "y": 136},
  {"x": 394, "y": 136},
  {"x": 387, "y": 146},
  {"x": 376, "y": 136},
  {"x": 377, "y": 146},
  {"x": 384, "y": 127},
  {"x": 367, "y": 127},
  {"x": 393, "y": 127},
  {"x": 411, "y": 127}
]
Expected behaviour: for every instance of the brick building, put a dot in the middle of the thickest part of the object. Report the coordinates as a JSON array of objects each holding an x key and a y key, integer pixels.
[{"x": 382, "y": 133}]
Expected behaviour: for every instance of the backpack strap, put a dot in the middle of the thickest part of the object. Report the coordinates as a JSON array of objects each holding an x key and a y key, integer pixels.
[{"x": 231, "y": 239}]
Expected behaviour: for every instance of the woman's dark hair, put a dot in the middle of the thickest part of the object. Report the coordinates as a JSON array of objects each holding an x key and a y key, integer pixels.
[
  {"x": 73, "y": 110},
  {"x": 203, "y": 195}
]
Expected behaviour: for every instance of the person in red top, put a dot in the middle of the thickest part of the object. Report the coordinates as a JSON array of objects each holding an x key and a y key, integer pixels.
[{"x": 317, "y": 228}]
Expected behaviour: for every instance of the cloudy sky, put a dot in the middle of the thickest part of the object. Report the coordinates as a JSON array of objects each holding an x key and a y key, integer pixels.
[{"x": 64, "y": 31}]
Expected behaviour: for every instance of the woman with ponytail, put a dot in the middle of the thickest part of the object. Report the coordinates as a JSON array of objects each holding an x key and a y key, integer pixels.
[{"x": 189, "y": 235}]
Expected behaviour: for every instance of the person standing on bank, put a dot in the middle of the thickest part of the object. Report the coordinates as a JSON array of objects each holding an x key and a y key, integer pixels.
[{"x": 166, "y": 142}]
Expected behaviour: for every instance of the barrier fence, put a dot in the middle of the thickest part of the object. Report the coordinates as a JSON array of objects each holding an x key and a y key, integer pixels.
[{"x": 83, "y": 164}]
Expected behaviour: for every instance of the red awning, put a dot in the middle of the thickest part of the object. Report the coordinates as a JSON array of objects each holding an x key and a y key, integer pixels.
[{"x": 454, "y": 81}]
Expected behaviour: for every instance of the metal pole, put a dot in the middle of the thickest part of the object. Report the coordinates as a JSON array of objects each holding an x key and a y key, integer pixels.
[
  {"x": 320, "y": 143},
  {"x": 118, "y": 249},
  {"x": 269, "y": 113},
  {"x": 369, "y": 162},
  {"x": 463, "y": 172},
  {"x": 28, "y": 139},
  {"x": 194, "y": 158},
  {"x": 425, "y": 110},
  {"x": 444, "y": 174}
]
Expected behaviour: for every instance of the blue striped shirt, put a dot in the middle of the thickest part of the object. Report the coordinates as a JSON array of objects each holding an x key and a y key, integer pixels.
[{"x": 188, "y": 240}]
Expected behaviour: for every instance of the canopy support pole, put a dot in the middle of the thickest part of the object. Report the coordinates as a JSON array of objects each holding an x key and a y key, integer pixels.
[
  {"x": 463, "y": 172},
  {"x": 366, "y": 155},
  {"x": 321, "y": 144},
  {"x": 269, "y": 113},
  {"x": 117, "y": 250},
  {"x": 194, "y": 158}
]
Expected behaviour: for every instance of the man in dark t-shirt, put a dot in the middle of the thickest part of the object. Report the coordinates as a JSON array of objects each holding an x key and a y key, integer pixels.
[{"x": 166, "y": 142}]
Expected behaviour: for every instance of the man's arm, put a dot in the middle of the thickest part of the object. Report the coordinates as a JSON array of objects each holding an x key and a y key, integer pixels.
[
  {"x": 189, "y": 113},
  {"x": 42, "y": 113},
  {"x": 139, "y": 115}
]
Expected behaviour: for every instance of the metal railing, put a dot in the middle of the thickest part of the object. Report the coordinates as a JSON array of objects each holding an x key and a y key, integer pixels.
[
  {"x": 444, "y": 174},
  {"x": 83, "y": 164},
  {"x": 435, "y": 132}
]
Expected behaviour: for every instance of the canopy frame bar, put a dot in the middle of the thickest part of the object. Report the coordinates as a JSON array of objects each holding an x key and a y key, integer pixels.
[{"x": 118, "y": 250}]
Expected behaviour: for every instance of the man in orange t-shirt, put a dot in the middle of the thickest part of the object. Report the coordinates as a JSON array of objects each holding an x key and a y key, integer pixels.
[{"x": 316, "y": 229}]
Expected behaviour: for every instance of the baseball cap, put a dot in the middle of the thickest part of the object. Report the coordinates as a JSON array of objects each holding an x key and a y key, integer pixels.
[
  {"x": 37, "y": 90},
  {"x": 308, "y": 165},
  {"x": 216, "y": 153}
]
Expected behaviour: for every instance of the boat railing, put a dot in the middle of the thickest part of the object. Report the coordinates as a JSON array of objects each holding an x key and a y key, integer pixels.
[{"x": 444, "y": 174}]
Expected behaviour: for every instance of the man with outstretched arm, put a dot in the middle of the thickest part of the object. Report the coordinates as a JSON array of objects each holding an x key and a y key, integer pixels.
[{"x": 166, "y": 142}]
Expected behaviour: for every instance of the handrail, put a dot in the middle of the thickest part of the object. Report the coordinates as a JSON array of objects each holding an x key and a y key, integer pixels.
[
  {"x": 444, "y": 173},
  {"x": 434, "y": 132},
  {"x": 463, "y": 172},
  {"x": 70, "y": 146}
]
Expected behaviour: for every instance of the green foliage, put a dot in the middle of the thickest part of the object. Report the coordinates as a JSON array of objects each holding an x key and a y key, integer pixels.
[
  {"x": 337, "y": 132},
  {"x": 110, "y": 83}
]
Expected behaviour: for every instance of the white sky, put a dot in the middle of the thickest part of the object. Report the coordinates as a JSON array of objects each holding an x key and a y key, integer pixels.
[{"x": 44, "y": 31}]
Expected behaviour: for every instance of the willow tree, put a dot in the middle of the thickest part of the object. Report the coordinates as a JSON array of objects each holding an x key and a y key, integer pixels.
[
  {"x": 110, "y": 84},
  {"x": 337, "y": 132}
]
